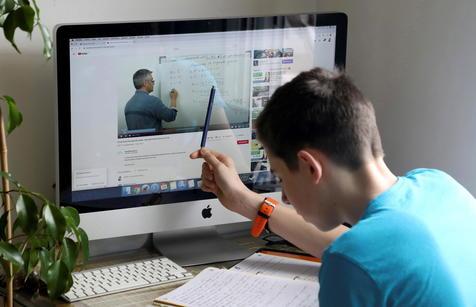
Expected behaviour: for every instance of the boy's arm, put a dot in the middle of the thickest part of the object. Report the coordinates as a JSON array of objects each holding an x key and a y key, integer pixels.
[{"x": 220, "y": 177}]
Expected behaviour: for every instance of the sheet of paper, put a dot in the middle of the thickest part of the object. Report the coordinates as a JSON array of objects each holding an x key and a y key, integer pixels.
[
  {"x": 279, "y": 266},
  {"x": 218, "y": 287}
]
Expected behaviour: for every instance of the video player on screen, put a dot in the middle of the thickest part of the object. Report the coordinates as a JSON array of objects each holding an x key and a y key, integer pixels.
[{"x": 145, "y": 111}]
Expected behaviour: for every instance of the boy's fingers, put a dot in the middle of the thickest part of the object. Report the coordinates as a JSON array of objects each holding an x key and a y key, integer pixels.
[
  {"x": 213, "y": 158},
  {"x": 210, "y": 157},
  {"x": 195, "y": 155},
  {"x": 207, "y": 170},
  {"x": 221, "y": 157},
  {"x": 208, "y": 187}
]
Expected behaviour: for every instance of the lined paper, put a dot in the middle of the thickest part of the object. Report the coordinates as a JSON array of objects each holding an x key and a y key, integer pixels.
[
  {"x": 296, "y": 269},
  {"x": 218, "y": 287}
]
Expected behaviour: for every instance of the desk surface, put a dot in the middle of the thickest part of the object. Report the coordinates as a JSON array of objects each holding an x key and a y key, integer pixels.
[{"x": 145, "y": 296}]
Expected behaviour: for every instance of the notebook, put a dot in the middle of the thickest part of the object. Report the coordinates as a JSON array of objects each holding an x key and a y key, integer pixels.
[{"x": 260, "y": 280}]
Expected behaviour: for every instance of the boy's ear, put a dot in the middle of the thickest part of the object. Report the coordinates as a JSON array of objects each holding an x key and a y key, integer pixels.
[{"x": 310, "y": 163}]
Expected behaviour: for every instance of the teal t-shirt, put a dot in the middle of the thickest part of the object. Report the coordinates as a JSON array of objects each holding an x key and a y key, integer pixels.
[{"x": 415, "y": 245}]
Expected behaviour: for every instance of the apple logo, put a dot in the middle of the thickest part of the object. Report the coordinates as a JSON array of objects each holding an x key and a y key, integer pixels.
[{"x": 207, "y": 212}]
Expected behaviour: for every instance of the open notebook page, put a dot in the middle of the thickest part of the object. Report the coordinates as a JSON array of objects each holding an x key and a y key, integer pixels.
[
  {"x": 272, "y": 265},
  {"x": 218, "y": 287}
]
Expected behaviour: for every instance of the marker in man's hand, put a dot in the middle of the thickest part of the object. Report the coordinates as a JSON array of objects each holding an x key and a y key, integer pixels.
[{"x": 207, "y": 117}]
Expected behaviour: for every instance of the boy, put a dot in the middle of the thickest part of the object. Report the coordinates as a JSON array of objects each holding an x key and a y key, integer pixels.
[{"x": 411, "y": 241}]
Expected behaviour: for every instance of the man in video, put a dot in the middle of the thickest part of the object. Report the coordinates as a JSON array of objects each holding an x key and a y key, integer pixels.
[{"x": 144, "y": 111}]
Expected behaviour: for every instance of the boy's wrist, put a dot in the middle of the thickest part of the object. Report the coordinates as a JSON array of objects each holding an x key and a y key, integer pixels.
[{"x": 253, "y": 204}]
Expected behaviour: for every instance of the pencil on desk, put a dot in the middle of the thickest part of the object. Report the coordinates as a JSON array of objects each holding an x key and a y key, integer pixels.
[{"x": 158, "y": 302}]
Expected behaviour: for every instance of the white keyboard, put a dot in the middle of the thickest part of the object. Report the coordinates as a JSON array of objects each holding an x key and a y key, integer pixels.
[{"x": 127, "y": 276}]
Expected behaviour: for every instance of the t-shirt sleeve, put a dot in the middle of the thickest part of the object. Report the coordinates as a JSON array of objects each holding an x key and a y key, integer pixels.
[
  {"x": 164, "y": 113},
  {"x": 344, "y": 283}
]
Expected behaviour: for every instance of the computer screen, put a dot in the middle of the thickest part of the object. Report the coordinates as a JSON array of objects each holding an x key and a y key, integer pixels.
[{"x": 107, "y": 162}]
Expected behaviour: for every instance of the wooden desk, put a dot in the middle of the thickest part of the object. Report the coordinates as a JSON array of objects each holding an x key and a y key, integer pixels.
[{"x": 145, "y": 296}]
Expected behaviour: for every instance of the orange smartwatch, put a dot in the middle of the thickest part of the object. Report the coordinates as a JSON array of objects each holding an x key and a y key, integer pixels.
[{"x": 266, "y": 209}]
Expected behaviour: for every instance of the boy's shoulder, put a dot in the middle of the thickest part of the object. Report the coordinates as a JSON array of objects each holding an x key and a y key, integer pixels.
[
  {"x": 373, "y": 238},
  {"x": 384, "y": 258}
]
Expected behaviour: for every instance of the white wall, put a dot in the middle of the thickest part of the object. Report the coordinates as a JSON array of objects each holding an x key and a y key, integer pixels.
[
  {"x": 30, "y": 79},
  {"x": 416, "y": 61}
]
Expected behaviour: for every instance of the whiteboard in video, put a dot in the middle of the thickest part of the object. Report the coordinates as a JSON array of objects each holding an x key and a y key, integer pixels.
[{"x": 193, "y": 76}]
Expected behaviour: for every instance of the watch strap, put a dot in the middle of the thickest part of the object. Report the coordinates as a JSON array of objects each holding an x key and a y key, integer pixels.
[{"x": 264, "y": 213}]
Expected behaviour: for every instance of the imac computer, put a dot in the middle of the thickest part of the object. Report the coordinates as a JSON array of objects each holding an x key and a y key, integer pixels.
[{"x": 134, "y": 179}]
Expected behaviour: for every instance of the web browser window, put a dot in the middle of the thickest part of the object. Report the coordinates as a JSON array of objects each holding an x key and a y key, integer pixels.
[{"x": 245, "y": 67}]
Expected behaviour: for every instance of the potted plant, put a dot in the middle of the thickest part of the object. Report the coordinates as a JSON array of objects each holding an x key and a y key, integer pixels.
[{"x": 42, "y": 239}]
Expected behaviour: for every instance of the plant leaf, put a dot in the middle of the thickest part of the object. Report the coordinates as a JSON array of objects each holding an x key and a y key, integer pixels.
[
  {"x": 16, "y": 224},
  {"x": 45, "y": 262},
  {"x": 30, "y": 258},
  {"x": 69, "y": 283},
  {"x": 14, "y": 116},
  {"x": 9, "y": 6},
  {"x": 55, "y": 221},
  {"x": 25, "y": 18},
  {"x": 26, "y": 259},
  {"x": 83, "y": 241},
  {"x": 27, "y": 214},
  {"x": 77, "y": 234},
  {"x": 39, "y": 241},
  {"x": 69, "y": 253},
  {"x": 11, "y": 254},
  {"x": 57, "y": 279},
  {"x": 9, "y": 27},
  {"x": 3, "y": 224},
  {"x": 71, "y": 215},
  {"x": 84, "y": 244}
]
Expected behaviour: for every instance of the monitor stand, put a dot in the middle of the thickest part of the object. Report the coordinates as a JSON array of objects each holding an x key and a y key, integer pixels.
[{"x": 196, "y": 246}]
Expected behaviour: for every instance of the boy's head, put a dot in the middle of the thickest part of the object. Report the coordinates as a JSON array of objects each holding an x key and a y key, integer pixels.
[{"x": 321, "y": 110}]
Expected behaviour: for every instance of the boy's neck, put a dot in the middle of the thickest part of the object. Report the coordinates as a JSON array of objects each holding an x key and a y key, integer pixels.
[{"x": 359, "y": 187}]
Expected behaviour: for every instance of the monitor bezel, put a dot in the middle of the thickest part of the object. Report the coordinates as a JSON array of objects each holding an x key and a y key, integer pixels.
[{"x": 63, "y": 34}]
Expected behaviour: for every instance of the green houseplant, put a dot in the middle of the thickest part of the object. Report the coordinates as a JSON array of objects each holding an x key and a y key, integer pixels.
[{"x": 42, "y": 239}]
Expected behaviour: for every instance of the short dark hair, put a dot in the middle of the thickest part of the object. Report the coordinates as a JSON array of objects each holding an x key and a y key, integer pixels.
[
  {"x": 323, "y": 110},
  {"x": 140, "y": 77}
]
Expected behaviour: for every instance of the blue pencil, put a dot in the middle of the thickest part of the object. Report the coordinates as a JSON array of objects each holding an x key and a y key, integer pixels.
[{"x": 207, "y": 117}]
